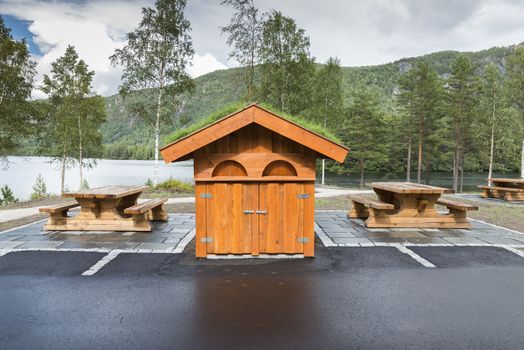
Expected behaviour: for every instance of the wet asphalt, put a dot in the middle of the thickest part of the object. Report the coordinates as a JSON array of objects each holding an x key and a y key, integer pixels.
[{"x": 345, "y": 298}]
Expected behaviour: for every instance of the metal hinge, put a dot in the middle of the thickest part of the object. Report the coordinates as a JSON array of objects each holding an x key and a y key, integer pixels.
[
  {"x": 206, "y": 239},
  {"x": 303, "y": 240},
  {"x": 206, "y": 195},
  {"x": 303, "y": 196}
]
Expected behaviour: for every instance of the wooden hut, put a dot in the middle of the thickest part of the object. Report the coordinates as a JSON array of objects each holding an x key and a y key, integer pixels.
[{"x": 254, "y": 177}]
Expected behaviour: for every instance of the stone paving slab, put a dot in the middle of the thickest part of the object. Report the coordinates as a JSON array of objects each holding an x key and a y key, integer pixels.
[
  {"x": 344, "y": 232},
  {"x": 333, "y": 226},
  {"x": 164, "y": 237}
]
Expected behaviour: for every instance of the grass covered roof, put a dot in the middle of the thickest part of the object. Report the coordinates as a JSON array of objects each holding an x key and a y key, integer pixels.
[{"x": 235, "y": 107}]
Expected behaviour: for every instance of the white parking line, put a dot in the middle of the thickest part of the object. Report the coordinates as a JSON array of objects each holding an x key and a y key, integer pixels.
[
  {"x": 326, "y": 240},
  {"x": 4, "y": 252},
  {"x": 101, "y": 263},
  {"x": 513, "y": 250},
  {"x": 412, "y": 254},
  {"x": 185, "y": 241}
]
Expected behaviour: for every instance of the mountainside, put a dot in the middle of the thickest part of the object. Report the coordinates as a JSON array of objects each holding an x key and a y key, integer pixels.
[{"x": 126, "y": 136}]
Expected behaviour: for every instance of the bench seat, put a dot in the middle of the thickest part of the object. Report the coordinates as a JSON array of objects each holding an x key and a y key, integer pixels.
[
  {"x": 364, "y": 207},
  {"x": 57, "y": 213},
  {"x": 456, "y": 205},
  {"x": 57, "y": 208},
  {"x": 152, "y": 208},
  {"x": 505, "y": 189},
  {"x": 372, "y": 203}
]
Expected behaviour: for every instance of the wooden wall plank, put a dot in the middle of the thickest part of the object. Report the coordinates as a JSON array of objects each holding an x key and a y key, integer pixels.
[
  {"x": 200, "y": 203},
  {"x": 300, "y": 135},
  {"x": 309, "y": 220}
]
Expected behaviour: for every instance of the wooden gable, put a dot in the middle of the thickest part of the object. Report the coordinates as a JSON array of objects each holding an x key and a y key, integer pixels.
[{"x": 255, "y": 120}]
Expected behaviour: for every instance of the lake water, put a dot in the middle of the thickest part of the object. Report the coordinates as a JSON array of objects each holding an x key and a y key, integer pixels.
[
  {"x": 22, "y": 172},
  {"x": 443, "y": 179}
]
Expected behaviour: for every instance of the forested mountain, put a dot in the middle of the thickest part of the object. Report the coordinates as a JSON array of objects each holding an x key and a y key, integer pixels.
[{"x": 127, "y": 136}]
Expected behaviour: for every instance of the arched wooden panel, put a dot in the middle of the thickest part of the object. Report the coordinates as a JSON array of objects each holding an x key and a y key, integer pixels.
[
  {"x": 229, "y": 168},
  {"x": 279, "y": 168}
]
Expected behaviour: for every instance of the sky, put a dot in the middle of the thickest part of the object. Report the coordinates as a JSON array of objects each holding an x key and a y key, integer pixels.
[{"x": 358, "y": 32}]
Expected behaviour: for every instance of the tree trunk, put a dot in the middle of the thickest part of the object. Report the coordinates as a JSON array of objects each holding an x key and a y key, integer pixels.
[
  {"x": 408, "y": 166},
  {"x": 461, "y": 171},
  {"x": 323, "y": 171},
  {"x": 420, "y": 142},
  {"x": 62, "y": 175},
  {"x": 491, "y": 151},
  {"x": 455, "y": 168},
  {"x": 157, "y": 134},
  {"x": 80, "y": 151},
  {"x": 522, "y": 162},
  {"x": 492, "y": 146},
  {"x": 361, "y": 161},
  {"x": 419, "y": 165}
]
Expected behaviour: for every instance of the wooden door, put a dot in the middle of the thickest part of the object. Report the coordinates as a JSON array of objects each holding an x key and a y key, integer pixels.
[
  {"x": 231, "y": 219},
  {"x": 281, "y": 229}
]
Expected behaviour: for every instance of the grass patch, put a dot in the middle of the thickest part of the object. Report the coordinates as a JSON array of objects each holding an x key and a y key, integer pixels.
[
  {"x": 210, "y": 119},
  {"x": 307, "y": 124},
  {"x": 174, "y": 185},
  {"x": 234, "y": 107}
]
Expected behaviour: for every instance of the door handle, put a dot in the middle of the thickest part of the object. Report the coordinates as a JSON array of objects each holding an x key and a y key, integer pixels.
[
  {"x": 249, "y": 212},
  {"x": 261, "y": 212}
]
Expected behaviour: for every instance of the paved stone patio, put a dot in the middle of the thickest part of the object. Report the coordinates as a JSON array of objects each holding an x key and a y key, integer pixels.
[
  {"x": 333, "y": 228},
  {"x": 166, "y": 237}
]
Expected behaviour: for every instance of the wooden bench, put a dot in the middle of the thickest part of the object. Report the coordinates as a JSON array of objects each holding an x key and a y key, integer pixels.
[
  {"x": 58, "y": 212},
  {"x": 507, "y": 193},
  {"x": 455, "y": 206},
  {"x": 364, "y": 207},
  {"x": 151, "y": 209}
]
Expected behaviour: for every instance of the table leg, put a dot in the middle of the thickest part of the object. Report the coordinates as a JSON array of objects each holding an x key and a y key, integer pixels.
[
  {"x": 158, "y": 213},
  {"x": 358, "y": 211}
]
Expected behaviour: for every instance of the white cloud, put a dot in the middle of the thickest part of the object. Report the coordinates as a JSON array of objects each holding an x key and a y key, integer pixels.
[
  {"x": 358, "y": 32},
  {"x": 95, "y": 28},
  {"x": 204, "y": 64}
]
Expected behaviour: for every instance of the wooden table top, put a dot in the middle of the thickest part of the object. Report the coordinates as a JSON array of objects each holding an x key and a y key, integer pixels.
[
  {"x": 408, "y": 187},
  {"x": 506, "y": 180},
  {"x": 107, "y": 192}
]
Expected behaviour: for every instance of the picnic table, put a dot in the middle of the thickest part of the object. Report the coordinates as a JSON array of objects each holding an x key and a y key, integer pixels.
[
  {"x": 406, "y": 204},
  {"x": 113, "y": 208},
  {"x": 504, "y": 188}
]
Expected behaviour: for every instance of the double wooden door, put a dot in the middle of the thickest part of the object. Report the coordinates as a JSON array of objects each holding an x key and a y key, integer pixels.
[{"x": 255, "y": 218}]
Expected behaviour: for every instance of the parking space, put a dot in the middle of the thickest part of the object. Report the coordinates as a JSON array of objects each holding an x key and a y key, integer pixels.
[
  {"x": 335, "y": 260},
  {"x": 346, "y": 297},
  {"x": 373, "y": 289},
  {"x": 455, "y": 257},
  {"x": 42, "y": 263}
]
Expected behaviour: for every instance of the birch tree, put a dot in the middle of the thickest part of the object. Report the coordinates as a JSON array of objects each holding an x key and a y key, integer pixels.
[
  {"x": 155, "y": 59},
  {"x": 76, "y": 114},
  {"x": 327, "y": 105},
  {"x": 244, "y": 38},
  {"x": 287, "y": 67},
  {"x": 492, "y": 104},
  {"x": 515, "y": 72}
]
